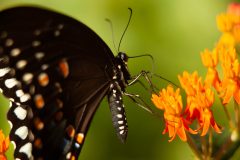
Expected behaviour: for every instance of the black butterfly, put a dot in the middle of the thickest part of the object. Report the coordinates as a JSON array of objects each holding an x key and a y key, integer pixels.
[{"x": 55, "y": 71}]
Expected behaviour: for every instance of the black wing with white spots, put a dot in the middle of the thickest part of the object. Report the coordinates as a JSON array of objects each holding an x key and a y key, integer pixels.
[{"x": 55, "y": 71}]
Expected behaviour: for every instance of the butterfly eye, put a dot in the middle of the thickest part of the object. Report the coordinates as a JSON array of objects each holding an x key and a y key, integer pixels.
[{"x": 123, "y": 56}]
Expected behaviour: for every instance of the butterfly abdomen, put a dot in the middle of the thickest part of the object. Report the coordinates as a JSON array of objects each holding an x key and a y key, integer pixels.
[{"x": 118, "y": 112}]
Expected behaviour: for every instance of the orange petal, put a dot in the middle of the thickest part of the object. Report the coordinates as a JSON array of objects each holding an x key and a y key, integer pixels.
[
  {"x": 229, "y": 90},
  {"x": 215, "y": 126},
  {"x": 182, "y": 134},
  {"x": 156, "y": 101},
  {"x": 206, "y": 122},
  {"x": 237, "y": 95}
]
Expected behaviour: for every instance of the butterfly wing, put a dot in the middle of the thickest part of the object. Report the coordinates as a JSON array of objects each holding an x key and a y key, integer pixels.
[{"x": 55, "y": 71}]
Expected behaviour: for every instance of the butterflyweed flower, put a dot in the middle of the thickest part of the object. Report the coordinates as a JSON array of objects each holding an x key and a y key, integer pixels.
[
  {"x": 231, "y": 76},
  {"x": 200, "y": 99},
  {"x": 170, "y": 102},
  {"x": 4, "y": 144},
  {"x": 229, "y": 24},
  {"x": 223, "y": 77}
]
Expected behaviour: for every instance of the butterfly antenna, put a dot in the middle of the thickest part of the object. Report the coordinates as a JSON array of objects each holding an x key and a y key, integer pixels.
[
  {"x": 113, "y": 39},
  {"x": 125, "y": 28}
]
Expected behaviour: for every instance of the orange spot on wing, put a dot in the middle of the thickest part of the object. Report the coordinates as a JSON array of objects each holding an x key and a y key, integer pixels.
[
  {"x": 64, "y": 68},
  {"x": 70, "y": 131},
  {"x": 73, "y": 158},
  {"x": 38, "y": 124},
  {"x": 38, "y": 143},
  {"x": 79, "y": 138},
  {"x": 39, "y": 102},
  {"x": 43, "y": 79}
]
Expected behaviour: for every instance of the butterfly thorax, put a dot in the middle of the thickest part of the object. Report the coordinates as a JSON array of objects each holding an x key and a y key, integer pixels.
[{"x": 121, "y": 74}]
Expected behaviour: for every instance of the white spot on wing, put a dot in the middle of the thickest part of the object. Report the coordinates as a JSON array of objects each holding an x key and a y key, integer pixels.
[
  {"x": 21, "y": 64},
  {"x": 57, "y": 33},
  {"x": 15, "y": 52},
  {"x": 44, "y": 67},
  {"x": 68, "y": 156},
  {"x": 25, "y": 98},
  {"x": 36, "y": 43},
  {"x": 4, "y": 71},
  {"x": 60, "y": 26},
  {"x": 121, "y": 132},
  {"x": 26, "y": 149},
  {"x": 10, "y": 104},
  {"x": 32, "y": 89},
  {"x": 39, "y": 55},
  {"x": 10, "y": 124},
  {"x": 20, "y": 113},
  {"x": 9, "y": 42},
  {"x": 22, "y": 132},
  {"x": 19, "y": 93},
  {"x": 27, "y": 77},
  {"x": 10, "y": 83},
  {"x": 14, "y": 144}
]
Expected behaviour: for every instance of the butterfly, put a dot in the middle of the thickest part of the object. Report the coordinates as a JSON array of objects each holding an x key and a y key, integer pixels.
[{"x": 55, "y": 72}]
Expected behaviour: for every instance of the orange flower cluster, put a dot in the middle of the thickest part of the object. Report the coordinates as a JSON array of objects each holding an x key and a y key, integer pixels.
[
  {"x": 200, "y": 96},
  {"x": 4, "y": 144},
  {"x": 200, "y": 99},
  {"x": 171, "y": 103},
  {"x": 225, "y": 53},
  {"x": 229, "y": 24},
  {"x": 229, "y": 86}
]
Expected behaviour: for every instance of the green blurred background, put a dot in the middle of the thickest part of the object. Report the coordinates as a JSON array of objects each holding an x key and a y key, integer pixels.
[{"x": 173, "y": 32}]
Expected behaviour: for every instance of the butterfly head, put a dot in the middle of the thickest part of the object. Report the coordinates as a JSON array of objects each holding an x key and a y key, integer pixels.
[
  {"x": 123, "y": 57},
  {"x": 121, "y": 62}
]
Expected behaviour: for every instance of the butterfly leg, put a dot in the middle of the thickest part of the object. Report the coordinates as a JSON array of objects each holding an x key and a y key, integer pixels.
[{"x": 146, "y": 76}]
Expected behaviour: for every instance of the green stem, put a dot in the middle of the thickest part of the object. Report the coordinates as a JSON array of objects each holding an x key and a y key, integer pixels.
[
  {"x": 237, "y": 115},
  {"x": 210, "y": 143},
  {"x": 227, "y": 149},
  {"x": 194, "y": 147},
  {"x": 230, "y": 121},
  {"x": 204, "y": 147}
]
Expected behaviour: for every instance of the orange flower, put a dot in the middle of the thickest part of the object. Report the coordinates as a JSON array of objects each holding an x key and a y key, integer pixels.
[
  {"x": 234, "y": 8},
  {"x": 229, "y": 23},
  {"x": 210, "y": 60},
  {"x": 199, "y": 104},
  {"x": 4, "y": 144},
  {"x": 230, "y": 86},
  {"x": 227, "y": 39},
  {"x": 205, "y": 100},
  {"x": 171, "y": 102},
  {"x": 189, "y": 82}
]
